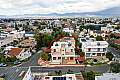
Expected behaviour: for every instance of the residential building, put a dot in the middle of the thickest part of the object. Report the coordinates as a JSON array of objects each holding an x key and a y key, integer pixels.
[
  {"x": 108, "y": 76},
  {"x": 34, "y": 73},
  {"x": 63, "y": 51},
  {"x": 49, "y": 31},
  {"x": 107, "y": 29},
  {"x": 76, "y": 76},
  {"x": 94, "y": 49},
  {"x": 7, "y": 38},
  {"x": 19, "y": 53},
  {"x": 68, "y": 30},
  {"x": 28, "y": 43}
]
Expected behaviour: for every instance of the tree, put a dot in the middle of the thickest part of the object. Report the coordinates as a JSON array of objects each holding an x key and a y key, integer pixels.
[
  {"x": 109, "y": 55},
  {"x": 89, "y": 75},
  {"x": 2, "y": 58},
  {"x": 44, "y": 56},
  {"x": 11, "y": 59},
  {"x": 99, "y": 38},
  {"x": 115, "y": 67},
  {"x": 82, "y": 54}
]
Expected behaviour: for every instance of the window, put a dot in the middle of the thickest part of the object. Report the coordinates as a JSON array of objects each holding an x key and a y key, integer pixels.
[
  {"x": 103, "y": 54},
  {"x": 71, "y": 58},
  {"x": 69, "y": 44},
  {"x": 54, "y": 58},
  {"x": 87, "y": 54},
  {"x": 93, "y": 53},
  {"x": 98, "y": 44},
  {"x": 89, "y": 49},
  {"x": 59, "y": 58},
  {"x": 98, "y": 49},
  {"x": 71, "y": 50},
  {"x": 104, "y": 49},
  {"x": 70, "y": 78},
  {"x": 54, "y": 50},
  {"x": 46, "y": 77},
  {"x": 56, "y": 44}
]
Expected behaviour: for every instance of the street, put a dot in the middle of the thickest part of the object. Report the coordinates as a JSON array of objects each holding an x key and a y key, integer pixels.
[
  {"x": 12, "y": 73},
  {"x": 32, "y": 61},
  {"x": 102, "y": 68},
  {"x": 116, "y": 53}
]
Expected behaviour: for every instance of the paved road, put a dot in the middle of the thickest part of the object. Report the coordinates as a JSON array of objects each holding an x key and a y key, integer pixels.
[
  {"x": 32, "y": 61},
  {"x": 115, "y": 52},
  {"x": 103, "y": 68},
  {"x": 12, "y": 73}
]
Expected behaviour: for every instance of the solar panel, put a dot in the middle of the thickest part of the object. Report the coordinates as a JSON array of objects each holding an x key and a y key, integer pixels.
[{"x": 59, "y": 78}]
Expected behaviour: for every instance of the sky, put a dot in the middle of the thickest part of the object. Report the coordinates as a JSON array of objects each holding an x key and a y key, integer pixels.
[{"x": 20, "y": 7}]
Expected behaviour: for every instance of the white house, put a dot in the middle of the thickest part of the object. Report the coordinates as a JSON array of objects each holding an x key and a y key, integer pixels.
[
  {"x": 93, "y": 49},
  {"x": 63, "y": 51},
  {"x": 68, "y": 30},
  {"x": 46, "y": 31},
  {"x": 108, "y": 76},
  {"x": 107, "y": 29},
  {"x": 33, "y": 73}
]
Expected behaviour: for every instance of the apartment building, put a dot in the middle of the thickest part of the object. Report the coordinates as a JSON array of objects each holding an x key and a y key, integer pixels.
[
  {"x": 93, "y": 49},
  {"x": 63, "y": 51}
]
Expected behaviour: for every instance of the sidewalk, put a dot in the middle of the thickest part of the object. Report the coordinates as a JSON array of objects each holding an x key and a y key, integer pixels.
[{"x": 62, "y": 65}]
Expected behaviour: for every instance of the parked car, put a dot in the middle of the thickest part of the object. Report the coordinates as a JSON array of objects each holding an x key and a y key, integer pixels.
[
  {"x": 17, "y": 62},
  {"x": 3, "y": 65},
  {"x": 2, "y": 75}
]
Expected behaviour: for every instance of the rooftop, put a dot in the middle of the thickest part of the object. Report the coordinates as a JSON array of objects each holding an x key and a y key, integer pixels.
[{"x": 15, "y": 51}]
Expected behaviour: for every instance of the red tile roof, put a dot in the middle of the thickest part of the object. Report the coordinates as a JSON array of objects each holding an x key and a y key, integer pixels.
[
  {"x": 116, "y": 41},
  {"x": 117, "y": 34},
  {"x": 15, "y": 51}
]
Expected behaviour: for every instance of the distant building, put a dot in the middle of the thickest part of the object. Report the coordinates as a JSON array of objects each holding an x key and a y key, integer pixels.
[
  {"x": 68, "y": 30},
  {"x": 29, "y": 34},
  {"x": 107, "y": 29},
  {"x": 108, "y": 76},
  {"x": 49, "y": 31}
]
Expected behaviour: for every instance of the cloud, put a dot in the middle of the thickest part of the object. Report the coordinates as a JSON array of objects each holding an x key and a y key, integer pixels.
[{"x": 17, "y": 7}]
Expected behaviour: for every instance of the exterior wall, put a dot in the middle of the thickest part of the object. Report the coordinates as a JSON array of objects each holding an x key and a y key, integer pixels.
[
  {"x": 94, "y": 50},
  {"x": 24, "y": 55},
  {"x": 28, "y": 75},
  {"x": 67, "y": 76}
]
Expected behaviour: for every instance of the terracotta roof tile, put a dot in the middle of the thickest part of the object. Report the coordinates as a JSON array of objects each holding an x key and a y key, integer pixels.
[
  {"x": 15, "y": 51},
  {"x": 116, "y": 41}
]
